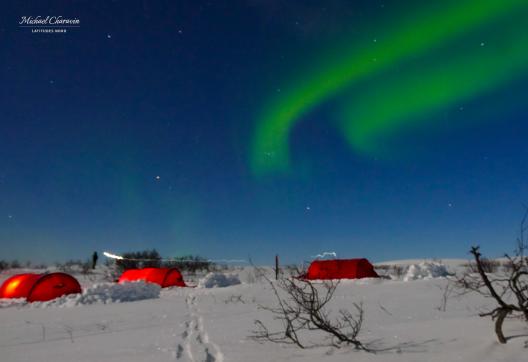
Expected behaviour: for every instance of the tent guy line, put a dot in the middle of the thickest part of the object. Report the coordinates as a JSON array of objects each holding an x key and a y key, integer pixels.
[{"x": 119, "y": 257}]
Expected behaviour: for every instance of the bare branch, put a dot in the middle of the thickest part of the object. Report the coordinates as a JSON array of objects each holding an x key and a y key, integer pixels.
[
  {"x": 509, "y": 290},
  {"x": 302, "y": 307}
]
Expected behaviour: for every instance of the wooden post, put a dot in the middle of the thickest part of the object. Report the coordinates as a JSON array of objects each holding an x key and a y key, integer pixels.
[{"x": 277, "y": 267}]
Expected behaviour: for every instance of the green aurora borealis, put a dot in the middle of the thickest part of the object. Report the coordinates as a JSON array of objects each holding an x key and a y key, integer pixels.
[{"x": 417, "y": 66}]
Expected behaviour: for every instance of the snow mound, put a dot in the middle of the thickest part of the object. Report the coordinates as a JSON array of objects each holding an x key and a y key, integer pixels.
[
  {"x": 106, "y": 293},
  {"x": 425, "y": 270},
  {"x": 124, "y": 292},
  {"x": 218, "y": 280}
]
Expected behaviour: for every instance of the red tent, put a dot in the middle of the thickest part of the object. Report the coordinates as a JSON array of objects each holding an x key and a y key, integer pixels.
[
  {"x": 341, "y": 269},
  {"x": 164, "y": 277},
  {"x": 39, "y": 287}
]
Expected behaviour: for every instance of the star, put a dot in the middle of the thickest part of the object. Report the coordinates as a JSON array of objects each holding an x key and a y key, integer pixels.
[
  {"x": 10, "y": 216},
  {"x": 450, "y": 205},
  {"x": 157, "y": 177},
  {"x": 109, "y": 36},
  {"x": 482, "y": 44},
  {"x": 308, "y": 208}
]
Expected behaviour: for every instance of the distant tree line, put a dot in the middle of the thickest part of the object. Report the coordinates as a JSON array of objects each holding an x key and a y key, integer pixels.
[
  {"x": 15, "y": 264},
  {"x": 140, "y": 259},
  {"x": 131, "y": 260},
  {"x": 152, "y": 259}
]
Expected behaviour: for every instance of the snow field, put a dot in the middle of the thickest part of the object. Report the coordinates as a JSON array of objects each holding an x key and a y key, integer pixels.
[{"x": 403, "y": 320}]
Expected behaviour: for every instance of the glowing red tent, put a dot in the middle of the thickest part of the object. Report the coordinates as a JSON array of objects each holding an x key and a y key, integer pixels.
[
  {"x": 39, "y": 287},
  {"x": 164, "y": 277},
  {"x": 341, "y": 269}
]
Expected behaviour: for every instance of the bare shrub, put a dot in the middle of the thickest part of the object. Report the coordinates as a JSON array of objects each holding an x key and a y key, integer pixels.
[
  {"x": 70, "y": 266},
  {"x": 387, "y": 270},
  {"x": 447, "y": 292},
  {"x": 398, "y": 271},
  {"x": 191, "y": 264},
  {"x": 506, "y": 266},
  {"x": 302, "y": 307},
  {"x": 382, "y": 268},
  {"x": 488, "y": 265},
  {"x": 4, "y": 265},
  {"x": 86, "y": 268},
  {"x": 289, "y": 270},
  {"x": 508, "y": 289}
]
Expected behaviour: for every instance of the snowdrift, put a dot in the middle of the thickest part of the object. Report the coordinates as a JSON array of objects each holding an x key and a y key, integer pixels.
[
  {"x": 218, "y": 280},
  {"x": 425, "y": 270},
  {"x": 104, "y": 293}
]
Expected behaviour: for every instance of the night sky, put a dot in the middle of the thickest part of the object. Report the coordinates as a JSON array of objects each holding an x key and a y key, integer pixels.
[{"x": 228, "y": 129}]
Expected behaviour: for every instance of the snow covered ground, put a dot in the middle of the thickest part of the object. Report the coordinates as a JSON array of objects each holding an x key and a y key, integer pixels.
[{"x": 403, "y": 319}]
